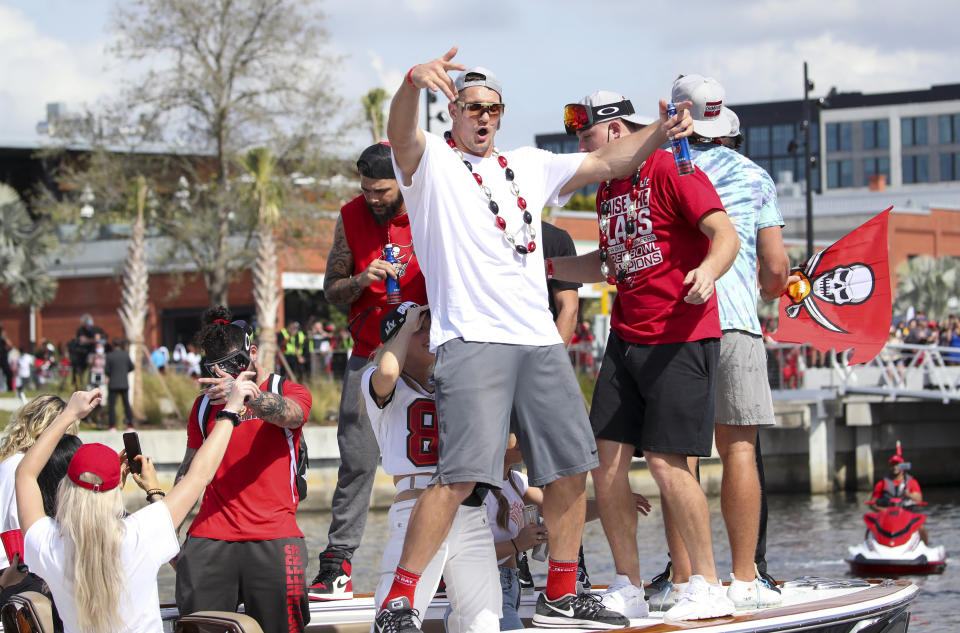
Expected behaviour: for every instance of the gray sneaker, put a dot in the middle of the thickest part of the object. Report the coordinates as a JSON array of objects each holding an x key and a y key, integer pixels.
[{"x": 668, "y": 596}]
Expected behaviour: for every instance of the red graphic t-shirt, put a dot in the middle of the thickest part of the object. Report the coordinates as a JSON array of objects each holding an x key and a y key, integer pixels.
[
  {"x": 366, "y": 239},
  {"x": 253, "y": 495},
  {"x": 667, "y": 245}
]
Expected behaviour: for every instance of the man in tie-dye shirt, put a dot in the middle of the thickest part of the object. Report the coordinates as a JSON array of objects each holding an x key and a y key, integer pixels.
[{"x": 744, "y": 401}]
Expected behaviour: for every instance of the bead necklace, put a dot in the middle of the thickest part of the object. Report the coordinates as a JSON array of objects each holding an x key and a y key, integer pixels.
[
  {"x": 631, "y": 227},
  {"x": 530, "y": 234}
]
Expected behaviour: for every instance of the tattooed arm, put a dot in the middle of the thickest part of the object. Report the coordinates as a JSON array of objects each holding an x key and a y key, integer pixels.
[
  {"x": 275, "y": 409},
  {"x": 185, "y": 464},
  {"x": 338, "y": 285}
]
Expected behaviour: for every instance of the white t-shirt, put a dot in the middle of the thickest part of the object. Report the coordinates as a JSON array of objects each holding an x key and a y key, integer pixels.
[
  {"x": 149, "y": 542},
  {"x": 515, "y": 519},
  {"x": 406, "y": 427},
  {"x": 479, "y": 287},
  {"x": 9, "y": 519}
]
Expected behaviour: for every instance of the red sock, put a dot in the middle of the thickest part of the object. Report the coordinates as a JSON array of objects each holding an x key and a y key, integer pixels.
[
  {"x": 561, "y": 578},
  {"x": 405, "y": 584}
]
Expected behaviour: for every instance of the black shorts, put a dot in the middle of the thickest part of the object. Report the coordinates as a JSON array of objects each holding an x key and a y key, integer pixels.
[
  {"x": 658, "y": 398},
  {"x": 268, "y": 577}
]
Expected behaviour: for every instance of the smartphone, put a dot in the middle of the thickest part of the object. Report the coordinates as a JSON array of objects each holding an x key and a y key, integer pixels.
[{"x": 131, "y": 442}]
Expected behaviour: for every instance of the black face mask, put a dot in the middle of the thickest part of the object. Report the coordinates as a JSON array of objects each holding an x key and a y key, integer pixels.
[{"x": 233, "y": 363}]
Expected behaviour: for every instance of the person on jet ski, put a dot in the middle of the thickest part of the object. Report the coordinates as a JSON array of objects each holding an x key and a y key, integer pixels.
[{"x": 899, "y": 484}]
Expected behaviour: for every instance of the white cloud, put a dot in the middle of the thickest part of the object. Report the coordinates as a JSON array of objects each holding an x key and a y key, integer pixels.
[{"x": 38, "y": 69}]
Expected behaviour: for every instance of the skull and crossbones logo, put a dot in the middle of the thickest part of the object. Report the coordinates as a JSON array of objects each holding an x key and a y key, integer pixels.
[{"x": 849, "y": 284}]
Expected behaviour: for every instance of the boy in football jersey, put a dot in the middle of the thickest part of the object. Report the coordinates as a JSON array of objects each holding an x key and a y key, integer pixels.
[{"x": 399, "y": 397}]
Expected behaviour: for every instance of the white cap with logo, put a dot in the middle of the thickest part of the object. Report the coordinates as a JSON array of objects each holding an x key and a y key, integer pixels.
[{"x": 711, "y": 119}]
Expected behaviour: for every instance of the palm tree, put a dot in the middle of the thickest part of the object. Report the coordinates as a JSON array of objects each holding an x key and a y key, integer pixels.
[
  {"x": 927, "y": 284},
  {"x": 23, "y": 245},
  {"x": 373, "y": 109},
  {"x": 260, "y": 164},
  {"x": 133, "y": 306}
]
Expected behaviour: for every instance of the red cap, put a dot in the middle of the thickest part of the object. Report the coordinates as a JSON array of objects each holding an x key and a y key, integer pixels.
[
  {"x": 896, "y": 459},
  {"x": 99, "y": 459}
]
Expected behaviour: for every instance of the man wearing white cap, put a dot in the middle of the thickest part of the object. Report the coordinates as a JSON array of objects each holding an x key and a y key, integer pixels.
[
  {"x": 475, "y": 219},
  {"x": 664, "y": 240},
  {"x": 744, "y": 402}
]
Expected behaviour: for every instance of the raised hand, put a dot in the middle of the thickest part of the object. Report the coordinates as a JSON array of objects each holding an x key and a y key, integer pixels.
[
  {"x": 242, "y": 389},
  {"x": 217, "y": 388},
  {"x": 679, "y": 125},
  {"x": 82, "y": 403},
  {"x": 434, "y": 75}
]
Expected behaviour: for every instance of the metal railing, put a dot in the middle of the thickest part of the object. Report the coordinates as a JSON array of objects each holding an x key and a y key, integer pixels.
[{"x": 928, "y": 372}]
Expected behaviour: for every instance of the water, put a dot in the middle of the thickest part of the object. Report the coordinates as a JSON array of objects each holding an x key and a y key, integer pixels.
[{"x": 807, "y": 536}]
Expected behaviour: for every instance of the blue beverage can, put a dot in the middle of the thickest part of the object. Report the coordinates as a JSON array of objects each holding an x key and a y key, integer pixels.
[
  {"x": 681, "y": 149},
  {"x": 393, "y": 285}
]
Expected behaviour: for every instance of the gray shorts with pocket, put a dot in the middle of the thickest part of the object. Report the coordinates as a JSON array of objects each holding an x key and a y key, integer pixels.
[
  {"x": 743, "y": 392},
  {"x": 477, "y": 385}
]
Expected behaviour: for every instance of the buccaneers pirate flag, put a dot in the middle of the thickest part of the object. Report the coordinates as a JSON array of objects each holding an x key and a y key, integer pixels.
[{"x": 842, "y": 300}]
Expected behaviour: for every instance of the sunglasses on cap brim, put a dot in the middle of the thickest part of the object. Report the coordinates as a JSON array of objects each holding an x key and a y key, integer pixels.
[{"x": 577, "y": 117}]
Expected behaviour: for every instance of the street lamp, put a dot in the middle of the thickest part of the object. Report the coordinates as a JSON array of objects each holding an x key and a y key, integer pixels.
[{"x": 441, "y": 116}]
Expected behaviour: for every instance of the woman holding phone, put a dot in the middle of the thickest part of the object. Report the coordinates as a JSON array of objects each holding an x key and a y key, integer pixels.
[{"x": 101, "y": 563}]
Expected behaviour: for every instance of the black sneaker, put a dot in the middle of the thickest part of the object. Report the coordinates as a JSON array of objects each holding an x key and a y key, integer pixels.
[
  {"x": 582, "y": 576},
  {"x": 576, "y": 610},
  {"x": 397, "y": 617},
  {"x": 659, "y": 581},
  {"x": 524, "y": 577},
  {"x": 333, "y": 581}
]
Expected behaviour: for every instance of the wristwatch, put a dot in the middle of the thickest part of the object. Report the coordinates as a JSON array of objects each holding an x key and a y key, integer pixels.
[{"x": 233, "y": 416}]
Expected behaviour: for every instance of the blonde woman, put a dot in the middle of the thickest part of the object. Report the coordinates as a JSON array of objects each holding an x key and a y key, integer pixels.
[
  {"x": 25, "y": 426},
  {"x": 100, "y": 563}
]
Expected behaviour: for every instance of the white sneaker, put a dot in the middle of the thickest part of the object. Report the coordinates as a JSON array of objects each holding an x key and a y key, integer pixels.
[
  {"x": 701, "y": 601},
  {"x": 752, "y": 595},
  {"x": 624, "y": 597},
  {"x": 667, "y": 597}
]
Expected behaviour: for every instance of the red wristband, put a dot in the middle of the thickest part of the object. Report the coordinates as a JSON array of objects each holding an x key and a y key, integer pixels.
[
  {"x": 409, "y": 80},
  {"x": 549, "y": 268}
]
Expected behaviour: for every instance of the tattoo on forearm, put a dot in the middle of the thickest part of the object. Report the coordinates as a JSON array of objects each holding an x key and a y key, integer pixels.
[
  {"x": 275, "y": 409},
  {"x": 338, "y": 285},
  {"x": 184, "y": 466}
]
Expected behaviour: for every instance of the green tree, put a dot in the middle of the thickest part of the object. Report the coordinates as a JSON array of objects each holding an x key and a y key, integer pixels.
[
  {"x": 261, "y": 165},
  {"x": 927, "y": 284},
  {"x": 222, "y": 76},
  {"x": 373, "y": 103},
  {"x": 24, "y": 244}
]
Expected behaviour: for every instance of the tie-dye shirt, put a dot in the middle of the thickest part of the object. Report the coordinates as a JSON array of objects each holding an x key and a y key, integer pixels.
[{"x": 750, "y": 198}]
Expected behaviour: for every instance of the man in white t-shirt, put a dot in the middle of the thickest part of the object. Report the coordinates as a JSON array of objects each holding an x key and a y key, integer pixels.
[{"x": 475, "y": 217}]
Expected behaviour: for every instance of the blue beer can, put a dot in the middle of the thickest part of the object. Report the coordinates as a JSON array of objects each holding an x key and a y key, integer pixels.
[{"x": 681, "y": 149}]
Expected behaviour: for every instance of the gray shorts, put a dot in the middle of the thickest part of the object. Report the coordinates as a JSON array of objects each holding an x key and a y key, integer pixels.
[
  {"x": 477, "y": 386},
  {"x": 743, "y": 393}
]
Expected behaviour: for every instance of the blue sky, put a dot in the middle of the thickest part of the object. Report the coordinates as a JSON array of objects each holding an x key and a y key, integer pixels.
[{"x": 546, "y": 53}]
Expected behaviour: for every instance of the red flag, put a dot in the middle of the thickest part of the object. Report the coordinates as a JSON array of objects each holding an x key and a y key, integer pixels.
[{"x": 843, "y": 300}]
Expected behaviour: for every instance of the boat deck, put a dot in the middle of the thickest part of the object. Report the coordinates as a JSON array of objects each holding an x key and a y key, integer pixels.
[{"x": 809, "y": 604}]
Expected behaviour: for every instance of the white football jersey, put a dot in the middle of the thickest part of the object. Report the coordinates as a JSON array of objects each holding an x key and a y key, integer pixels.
[{"x": 406, "y": 427}]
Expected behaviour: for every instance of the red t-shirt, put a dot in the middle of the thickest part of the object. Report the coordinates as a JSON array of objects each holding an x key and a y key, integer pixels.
[
  {"x": 253, "y": 495},
  {"x": 366, "y": 239},
  {"x": 666, "y": 247}
]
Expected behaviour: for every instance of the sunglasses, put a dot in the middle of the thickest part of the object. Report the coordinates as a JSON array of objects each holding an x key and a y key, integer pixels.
[
  {"x": 577, "y": 116},
  {"x": 477, "y": 108},
  {"x": 233, "y": 363}
]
